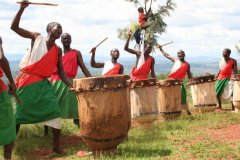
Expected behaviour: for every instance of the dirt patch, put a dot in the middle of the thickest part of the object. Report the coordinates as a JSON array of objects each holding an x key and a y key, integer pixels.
[
  {"x": 229, "y": 133},
  {"x": 70, "y": 140}
]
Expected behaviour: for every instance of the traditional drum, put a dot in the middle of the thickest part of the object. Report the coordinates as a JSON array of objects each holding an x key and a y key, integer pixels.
[
  {"x": 236, "y": 92},
  {"x": 203, "y": 93},
  {"x": 143, "y": 101},
  {"x": 104, "y": 110},
  {"x": 169, "y": 98}
]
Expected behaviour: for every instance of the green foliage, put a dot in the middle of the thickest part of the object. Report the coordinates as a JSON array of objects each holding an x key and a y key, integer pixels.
[{"x": 155, "y": 20}]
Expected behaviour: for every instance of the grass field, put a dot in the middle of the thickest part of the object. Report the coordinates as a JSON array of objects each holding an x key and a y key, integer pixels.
[{"x": 212, "y": 135}]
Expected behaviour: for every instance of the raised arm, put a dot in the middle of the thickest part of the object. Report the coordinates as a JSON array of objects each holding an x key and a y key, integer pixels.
[
  {"x": 6, "y": 69},
  {"x": 165, "y": 54},
  {"x": 153, "y": 75},
  {"x": 61, "y": 72},
  {"x": 126, "y": 47},
  {"x": 93, "y": 63},
  {"x": 20, "y": 31},
  {"x": 82, "y": 65}
]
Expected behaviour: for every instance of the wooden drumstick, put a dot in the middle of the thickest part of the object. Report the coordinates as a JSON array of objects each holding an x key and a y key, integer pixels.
[
  {"x": 100, "y": 43},
  {"x": 165, "y": 44},
  {"x": 39, "y": 3},
  {"x": 17, "y": 99}
]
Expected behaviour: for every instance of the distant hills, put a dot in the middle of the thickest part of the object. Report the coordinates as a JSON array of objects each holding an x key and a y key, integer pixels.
[{"x": 199, "y": 65}]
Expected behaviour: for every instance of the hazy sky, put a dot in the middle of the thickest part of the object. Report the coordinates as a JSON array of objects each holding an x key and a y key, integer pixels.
[{"x": 199, "y": 27}]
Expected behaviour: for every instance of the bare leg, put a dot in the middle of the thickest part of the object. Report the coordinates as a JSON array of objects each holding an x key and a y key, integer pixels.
[
  {"x": 233, "y": 108},
  {"x": 45, "y": 130},
  {"x": 56, "y": 137},
  {"x": 219, "y": 104},
  {"x": 8, "y": 151},
  {"x": 17, "y": 128}
]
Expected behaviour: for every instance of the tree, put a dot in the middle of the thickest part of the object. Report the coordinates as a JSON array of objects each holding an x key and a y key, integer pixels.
[{"x": 155, "y": 19}]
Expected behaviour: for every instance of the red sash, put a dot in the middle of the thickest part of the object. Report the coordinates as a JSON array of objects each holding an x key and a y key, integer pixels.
[
  {"x": 181, "y": 72},
  {"x": 226, "y": 72},
  {"x": 142, "y": 72},
  {"x": 115, "y": 70},
  {"x": 39, "y": 70},
  {"x": 70, "y": 66},
  {"x": 2, "y": 84}
]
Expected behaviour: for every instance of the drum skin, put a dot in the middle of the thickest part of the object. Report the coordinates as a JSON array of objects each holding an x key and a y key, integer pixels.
[
  {"x": 143, "y": 101},
  {"x": 169, "y": 98},
  {"x": 203, "y": 93},
  {"x": 104, "y": 110}
]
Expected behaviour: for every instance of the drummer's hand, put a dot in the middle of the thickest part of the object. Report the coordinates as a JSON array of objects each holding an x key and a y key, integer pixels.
[
  {"x": 93, "y": 50},
  {"x": 24, "y": 4},
  {"x": 139, "y": 53},
  {"x": 11, "y": 88},
  {"x": 72, "y": 89},
  {"x": 160, "y": 47},
  {"x": 190, "y": 80},
  {"x": 129, "y": 32}
]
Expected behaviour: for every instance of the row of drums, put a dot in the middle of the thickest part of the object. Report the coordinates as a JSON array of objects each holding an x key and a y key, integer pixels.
[{"x": 108, "y": 104}]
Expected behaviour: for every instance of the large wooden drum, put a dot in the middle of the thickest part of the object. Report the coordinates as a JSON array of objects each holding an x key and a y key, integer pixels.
[
  {"x": 104, "y": 110},
  {"x": 143, "y": 101},
  {"x": 169, "y": 98},
  {"x": 203, "y": 93},
  {"x": 236, "y": 92}
]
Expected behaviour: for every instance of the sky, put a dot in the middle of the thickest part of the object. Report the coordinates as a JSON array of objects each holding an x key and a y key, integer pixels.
[{"x": 199, "y": 27}]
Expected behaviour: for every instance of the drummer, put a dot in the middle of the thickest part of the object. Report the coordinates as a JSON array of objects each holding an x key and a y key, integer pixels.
[
  {"x": 224, "y": 86},
  {"x": 179, "y": 71},
  {"x": 109, "y": 67},
  {"x": 141, "y": 72},
  {"x": 67, "y": 100}
]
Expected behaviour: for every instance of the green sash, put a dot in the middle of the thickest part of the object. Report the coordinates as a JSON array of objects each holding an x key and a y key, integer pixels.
[
  {"x": 220, "y": 85},
  {"x": 67, "y": 100},
  {"x": 39, "y": 104},
  {"x": 183, "y": 95},
  {"x": 7, "y": 120}
]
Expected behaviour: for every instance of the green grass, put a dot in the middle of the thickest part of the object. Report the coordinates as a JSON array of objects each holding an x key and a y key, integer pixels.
[{"x": 182, "y": 138}]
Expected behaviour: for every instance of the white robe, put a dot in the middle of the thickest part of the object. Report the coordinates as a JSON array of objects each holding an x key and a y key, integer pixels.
[{"x": 32, "y": 56}]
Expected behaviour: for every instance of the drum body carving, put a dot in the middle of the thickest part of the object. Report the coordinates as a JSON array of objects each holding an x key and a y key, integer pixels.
[
  {"x": 104, "y": 110},
  {"x": 169, "y": 98},
  {"x": 143, "y": 101},
  {"x": 203, "y": 93}
]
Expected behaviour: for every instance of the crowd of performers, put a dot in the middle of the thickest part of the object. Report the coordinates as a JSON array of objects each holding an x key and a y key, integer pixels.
[{"x": 47, "y": 101}]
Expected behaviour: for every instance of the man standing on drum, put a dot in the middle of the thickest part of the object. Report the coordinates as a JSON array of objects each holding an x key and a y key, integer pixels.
[
  {"x": 7, "y": 120},
  {"x": 224, "y": 86},
  {"x": 67, "y": 99},
  {"x": 142, "y": 68},
  {"x": 39, "y": 104},
  {"x": 110, "y": 67},
  {"x": 179, "y": 71}
]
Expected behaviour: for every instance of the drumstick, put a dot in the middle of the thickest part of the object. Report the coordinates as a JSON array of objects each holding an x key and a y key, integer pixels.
[
  {"x": 165, "y": 44},
  {"x": 100, "y": 43},
  {"x": 40, "y": 3},
  {"x": 17, "y": 99}
]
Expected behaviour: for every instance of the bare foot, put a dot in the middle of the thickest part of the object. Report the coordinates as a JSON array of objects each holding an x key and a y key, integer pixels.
[{"x": 58, "y": 151}]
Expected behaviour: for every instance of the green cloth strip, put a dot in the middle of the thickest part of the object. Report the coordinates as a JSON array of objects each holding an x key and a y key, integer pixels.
[
  {"x": 220, "y": 85},
  {"x": 39, "y": 104},
  {"x": 7, "y": 120},
  {"x": 67, "y": 100},
  {"x": 183, "y": 95}
]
